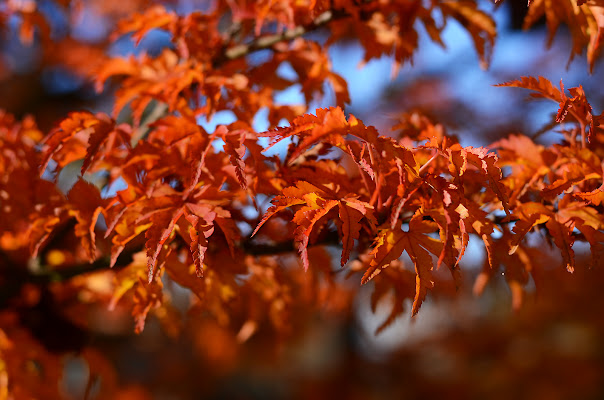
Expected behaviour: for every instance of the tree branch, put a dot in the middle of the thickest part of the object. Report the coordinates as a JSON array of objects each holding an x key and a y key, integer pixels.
[{"x": 267, "y": 41}]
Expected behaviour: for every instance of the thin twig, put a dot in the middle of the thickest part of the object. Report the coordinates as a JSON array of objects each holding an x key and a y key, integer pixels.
[
  {"x": 427, "y": 164},
  {"x": 267, "y": 41},
  {"x": 264, "y": 42}
]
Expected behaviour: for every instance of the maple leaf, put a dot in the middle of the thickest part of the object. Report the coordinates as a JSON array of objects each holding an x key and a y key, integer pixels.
[
  {"x": 156, "y": 17},
  {"x": 171, "y": 129},
  {"x": 585, "y": 23},
  {"x": 329, "y": 125},
  {"x": 379, "y": 36},
  {"x": 577, "y": 105},
  {"x": 595, "y": 197},
  {"x": 164, "y": 79},
  {"x": 306, "y": 218},
  {"x": 87, "y": 206},
  {"x": 351, "y": 227},
  {"x": 80, "y": 136},
  {"x": 564, "y": 240},
  {"x": 517, "y": 267},
  {"x": 31, "y": 207},
  {"x": 316, "y": 204},
  {"x": 560, "y": 186},
  {"x": 161, "y": 215},
  {"x": 233, "y": 146},
  {"x": 199, "y": 242},
  {"x": 391, "y": 28},
  {"x": 389, "y": 246},
  {"x": 595, "y": 237},
  {"x": 41, "y": 229},
  {"x": 330, "y": 128},
  {"x": 479, "y": 24},
  {"x": 541, "y": 85},
  {"x": 146, "y": 296},
  {"x": 128, "y": 277},
  {"x": 458, "y": 217},
  {"x": 203, "y": 219},
  {"x": 486, "y": 164},
  {"x": 162, "y": 225},
  {"x": 313, "y": 67},
  {"x": 528, "y": 162},
  {"x": 533, "y": 214},
  {"x": 404, "y": 284}
]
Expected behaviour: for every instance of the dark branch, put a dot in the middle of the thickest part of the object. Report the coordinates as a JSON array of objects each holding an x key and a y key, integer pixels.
[{"x": 263, "y": 249}]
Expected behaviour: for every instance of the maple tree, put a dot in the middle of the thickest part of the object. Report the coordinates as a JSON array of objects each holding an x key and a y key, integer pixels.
[{"x": 228, "y": 236}]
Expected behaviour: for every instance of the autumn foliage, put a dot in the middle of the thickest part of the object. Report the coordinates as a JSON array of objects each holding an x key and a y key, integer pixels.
[{"x": 236, "y": 240}]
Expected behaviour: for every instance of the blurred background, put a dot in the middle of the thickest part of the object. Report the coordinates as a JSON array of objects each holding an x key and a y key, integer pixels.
[{"x": 456, "y": 348}]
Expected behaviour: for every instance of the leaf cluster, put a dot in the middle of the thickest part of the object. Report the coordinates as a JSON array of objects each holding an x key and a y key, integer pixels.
[{"x": 168, "y": 203}]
